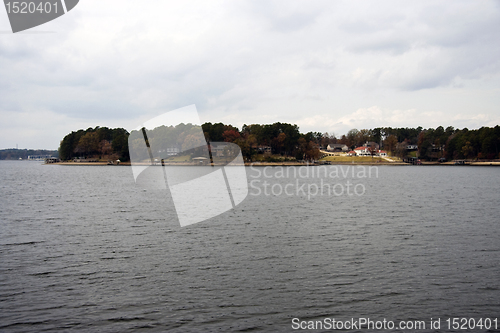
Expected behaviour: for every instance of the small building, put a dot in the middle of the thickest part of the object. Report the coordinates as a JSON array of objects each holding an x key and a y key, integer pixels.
[
  {"x": 362, "y": 151},
  {"x": 201, "y": 160},
  {"x": 437, "y": 148},
  {"x": 367, "y": 151},
  {"x": 264, "y": 149},
  {"x": 337, "y": 147},
  {"x": 51, "y": 160},
  {"x": 222, "y": 149},
  {"x": 217, "y": 151},
  {"x": 38, "y": 157},
  {"x": 412, "y": 160},
  {"x": 172, "y": 151}
]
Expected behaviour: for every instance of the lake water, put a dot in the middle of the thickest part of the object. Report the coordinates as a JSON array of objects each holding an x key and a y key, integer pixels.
[{"x": 83, "y": 249}]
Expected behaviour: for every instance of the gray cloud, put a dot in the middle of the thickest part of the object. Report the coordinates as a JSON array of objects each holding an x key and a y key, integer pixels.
[{"x": 249, "y": 61}]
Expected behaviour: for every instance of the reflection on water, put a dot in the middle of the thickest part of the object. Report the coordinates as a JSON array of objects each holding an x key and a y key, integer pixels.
[{"x": 83, "y": 249}]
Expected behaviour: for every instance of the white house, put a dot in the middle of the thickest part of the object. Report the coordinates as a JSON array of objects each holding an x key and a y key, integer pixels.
[
  {"x": 362, "y": 151},
  {"x": 365, "y": 151}
]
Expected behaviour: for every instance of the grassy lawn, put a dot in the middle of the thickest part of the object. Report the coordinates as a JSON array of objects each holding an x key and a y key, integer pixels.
[{"x": 355, "y": 159}]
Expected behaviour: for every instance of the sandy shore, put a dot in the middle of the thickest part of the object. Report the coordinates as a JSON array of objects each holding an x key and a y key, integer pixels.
[
  {"x": 88, "y": 163},
  {"x": 254, "y": 164},
  {"x": 486, "y": 163}
]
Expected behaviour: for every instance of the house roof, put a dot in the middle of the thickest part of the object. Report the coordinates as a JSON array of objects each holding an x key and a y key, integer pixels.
[
  {"x": 360, "y": 148},
  {"x": 352, "y": 152}
]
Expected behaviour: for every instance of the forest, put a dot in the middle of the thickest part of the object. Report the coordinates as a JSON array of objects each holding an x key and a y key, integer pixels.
[
  {"x": 284, "y": 141},
  {"x": 99, "y": 142}
]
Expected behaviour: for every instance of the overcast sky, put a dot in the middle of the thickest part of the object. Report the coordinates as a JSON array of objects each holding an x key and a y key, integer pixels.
[{"x": 327, "y": 66}]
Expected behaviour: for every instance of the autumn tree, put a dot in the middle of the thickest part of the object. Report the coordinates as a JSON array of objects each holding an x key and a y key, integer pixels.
[
  {"x": 230, "y": 135},
  {"x": 312, "y": 151},
  {"x": 467, "y": 150},
  {"x": 246, "y": 150},
  {"x": 105, "y": 148},
  {"x": 363, "y": 136},
  {"x": 372, "y": 148},
  {"x": 390, "y": 143},
  {"x": 343, "y": 140},
  {"x": 252, "y": 140},
  {"x": 88, "y": 144},
  {"x": 280, "y": 142},
  {"x": 401, "y": 149}
]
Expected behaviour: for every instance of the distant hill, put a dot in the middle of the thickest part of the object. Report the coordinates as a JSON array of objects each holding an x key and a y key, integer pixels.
[{"x": 15, "y": 154}]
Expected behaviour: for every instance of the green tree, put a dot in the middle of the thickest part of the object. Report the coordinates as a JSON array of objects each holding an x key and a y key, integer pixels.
[{"x": 467, "y": 150}]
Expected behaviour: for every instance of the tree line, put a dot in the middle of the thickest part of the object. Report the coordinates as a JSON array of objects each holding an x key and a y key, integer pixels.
[
  {"x": 273, "y": 139},
  {"x": 282, "y": 140},
  {"x": 15, "y": 154},
  {"x": 449, "y": 143},
  {"x": 431, "y": 144}
]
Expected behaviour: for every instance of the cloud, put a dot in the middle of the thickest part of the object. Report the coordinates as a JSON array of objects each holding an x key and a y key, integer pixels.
[
  {"x": 255, "y": 61},
  {"x": 370, "y": 117},
  {"x": 374, "y": 116},
  {"x": 285, "y": 16}
]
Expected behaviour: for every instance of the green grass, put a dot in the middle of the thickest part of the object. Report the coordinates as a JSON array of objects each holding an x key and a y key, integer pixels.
[{"x": 355, "y": 159}]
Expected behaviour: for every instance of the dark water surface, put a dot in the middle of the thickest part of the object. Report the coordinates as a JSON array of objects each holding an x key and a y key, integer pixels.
[{"x": 83, "y": 249}]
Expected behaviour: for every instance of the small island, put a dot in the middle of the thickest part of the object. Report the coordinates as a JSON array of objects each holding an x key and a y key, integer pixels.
[{"x": 284, "y": 144}]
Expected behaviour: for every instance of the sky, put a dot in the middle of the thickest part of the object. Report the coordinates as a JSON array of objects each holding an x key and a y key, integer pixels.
[{"x": 327, "y": 66}]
